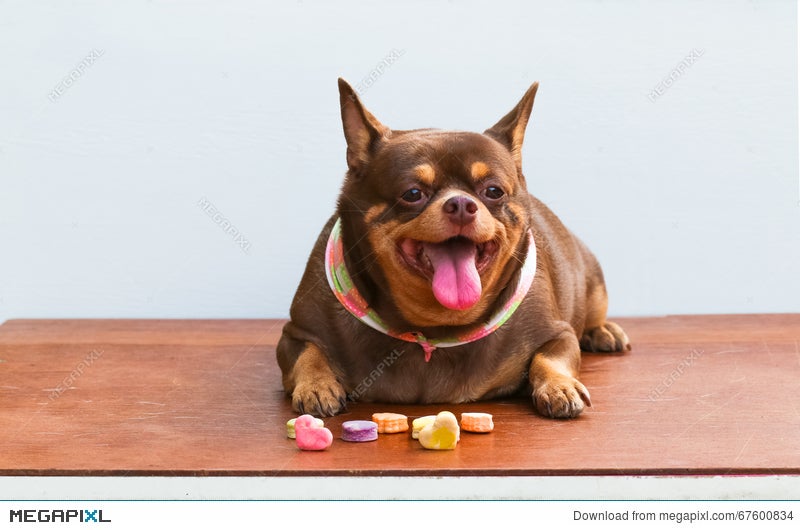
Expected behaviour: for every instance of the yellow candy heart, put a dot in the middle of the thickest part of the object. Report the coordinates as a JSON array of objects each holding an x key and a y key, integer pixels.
[
  {"x": 443, "y": 433},
  {"x": 420, "y": 423}
]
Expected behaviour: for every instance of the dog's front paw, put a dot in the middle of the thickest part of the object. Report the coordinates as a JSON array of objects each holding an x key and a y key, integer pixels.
[
  {"x": 313, "y": 384},
  {"x": 609, "y": 337},
  {"x": 321, "y": 398},
  {"x": 560, "y": 396}
]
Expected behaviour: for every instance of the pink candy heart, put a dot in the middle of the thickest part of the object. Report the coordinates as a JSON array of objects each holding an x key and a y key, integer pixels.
[{"x": 310, "y": 436}]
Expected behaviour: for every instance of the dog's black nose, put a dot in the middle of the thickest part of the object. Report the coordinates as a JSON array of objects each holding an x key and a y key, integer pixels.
[{"x": 461, "y": 210}]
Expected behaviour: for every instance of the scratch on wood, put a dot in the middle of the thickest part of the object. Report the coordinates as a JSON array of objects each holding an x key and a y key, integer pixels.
[
  {"x": 708, "y": 414},
  {"x": 739, "y": 456}
]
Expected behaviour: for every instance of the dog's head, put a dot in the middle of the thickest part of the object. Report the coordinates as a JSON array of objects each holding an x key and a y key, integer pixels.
[{"x": 434, "y": 222}]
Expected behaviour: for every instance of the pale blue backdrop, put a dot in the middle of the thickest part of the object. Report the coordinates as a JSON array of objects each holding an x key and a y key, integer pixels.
[{"x": 177, "y": 160}]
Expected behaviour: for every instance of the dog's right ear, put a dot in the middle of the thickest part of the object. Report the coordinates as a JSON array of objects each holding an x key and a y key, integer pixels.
[{"x": 362, "y": 130}]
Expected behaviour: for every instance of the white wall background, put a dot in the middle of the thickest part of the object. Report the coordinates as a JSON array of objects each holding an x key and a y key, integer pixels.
[{"x": 691, "y": 200}]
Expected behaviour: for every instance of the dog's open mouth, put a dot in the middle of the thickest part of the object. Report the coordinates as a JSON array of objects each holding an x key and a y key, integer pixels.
[{"x": 453, "y": 267}]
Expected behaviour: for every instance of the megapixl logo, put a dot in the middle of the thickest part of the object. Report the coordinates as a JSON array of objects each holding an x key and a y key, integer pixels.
[{"x": 57, "y": 516}]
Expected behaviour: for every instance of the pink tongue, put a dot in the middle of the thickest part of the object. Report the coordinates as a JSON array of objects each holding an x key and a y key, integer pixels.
[{"x": 456, "y": 283}]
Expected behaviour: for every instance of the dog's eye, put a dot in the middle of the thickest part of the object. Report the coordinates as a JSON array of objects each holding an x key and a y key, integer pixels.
[
  {"x": 412, "y": 195},
  {"x": 493, "y": 193}
]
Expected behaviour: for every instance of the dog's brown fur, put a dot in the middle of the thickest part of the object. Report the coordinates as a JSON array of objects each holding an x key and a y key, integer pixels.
[{"x": 327, "y": 355}]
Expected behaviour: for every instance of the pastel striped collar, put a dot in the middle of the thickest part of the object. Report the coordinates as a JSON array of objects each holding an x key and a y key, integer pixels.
[{"x": 342, "y": 286}]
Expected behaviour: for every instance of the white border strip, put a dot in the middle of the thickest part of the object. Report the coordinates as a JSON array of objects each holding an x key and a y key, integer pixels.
[{"x": 400, "y": 488}]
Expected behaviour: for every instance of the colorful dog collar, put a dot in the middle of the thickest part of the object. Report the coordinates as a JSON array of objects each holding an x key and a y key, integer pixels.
[{"x": 342, "y": 286}]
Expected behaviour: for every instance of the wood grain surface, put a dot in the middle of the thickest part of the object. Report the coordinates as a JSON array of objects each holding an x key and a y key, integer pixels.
[{"x": 698, "y": 395}]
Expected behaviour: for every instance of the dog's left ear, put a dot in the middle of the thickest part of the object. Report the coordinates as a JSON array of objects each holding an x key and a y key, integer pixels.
[{"x": 510, "y": 130}]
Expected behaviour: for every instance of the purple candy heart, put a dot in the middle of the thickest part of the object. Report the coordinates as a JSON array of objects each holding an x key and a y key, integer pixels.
[{"x": 359, "y": 431}]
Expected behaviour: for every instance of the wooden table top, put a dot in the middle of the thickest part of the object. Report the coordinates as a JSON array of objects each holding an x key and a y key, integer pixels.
[{"x": 698, "y": 395}]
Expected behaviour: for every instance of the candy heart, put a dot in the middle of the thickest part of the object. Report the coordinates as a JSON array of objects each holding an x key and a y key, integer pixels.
[
  {"x": 309, "y": 435},
  {"x": 477, "y": 422},
  {"x": 443, "y": 433},
  {"x": 290, "y": 426},
  {"x": 359, "y": 431},
  {"x": 420, "y": 423},
  {"x": 390, "y": 422}
]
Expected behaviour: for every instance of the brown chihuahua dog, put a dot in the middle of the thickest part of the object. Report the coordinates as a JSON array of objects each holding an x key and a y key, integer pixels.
[{"x": 440, "y": 279}]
